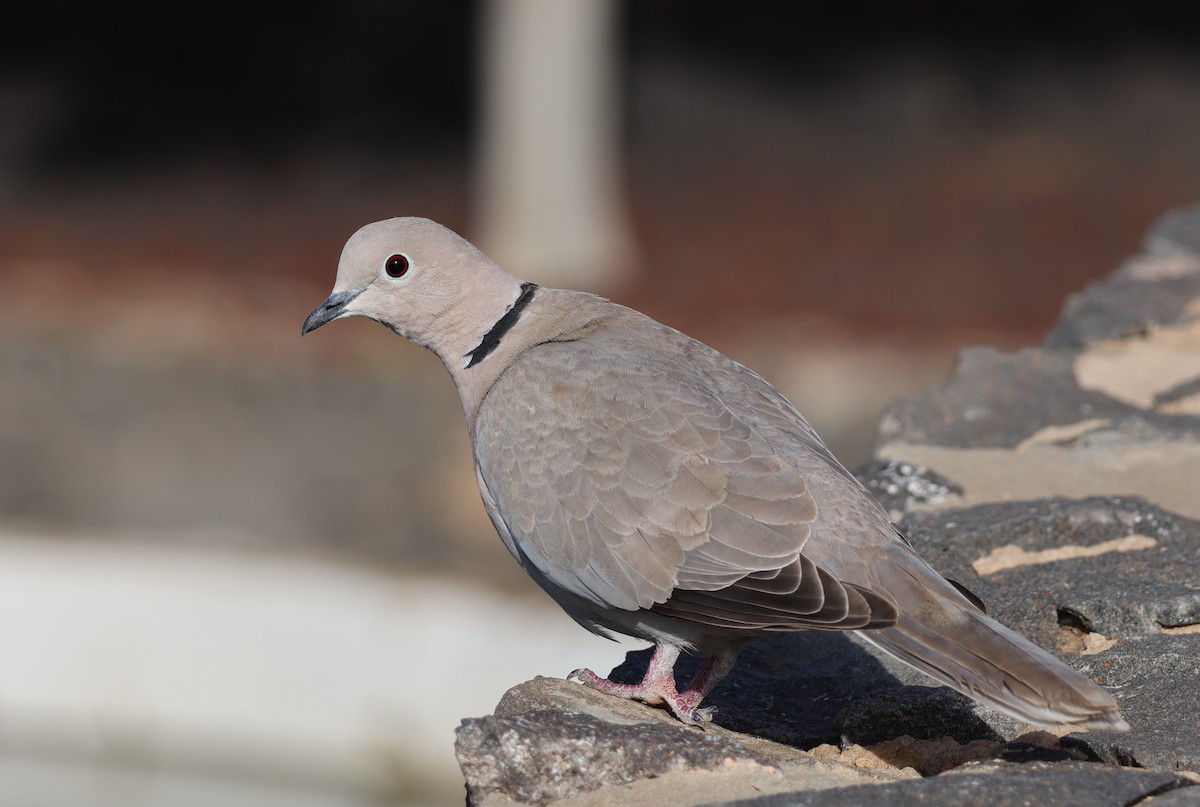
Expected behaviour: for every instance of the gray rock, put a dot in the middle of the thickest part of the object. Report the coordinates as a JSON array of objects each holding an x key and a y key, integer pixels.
[
  {"x": 1154, "y": 288},
  {"x": 553, "y": 739},
  {"x": 996, "y": 400},
  {"x": 1155, "y": 679},
  {"x": 1119, "y": 594},
  {"x": 900, "y": 485},
  {"x": 1037, "y": 783},
  {"x": 1131, "y": 597},
  {"x": 543, "y": 756},
  {"x": 1185, "y": 390},
  {"x": 1179, "y": 797},
  {"x": 1119, "y": 307},
  {"x": 920, "y": 712},
  {"x": 1177, "y": 231}
]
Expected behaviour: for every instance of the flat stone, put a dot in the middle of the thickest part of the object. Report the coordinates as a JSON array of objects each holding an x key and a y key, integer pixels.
[
  {"x": 997, "y": 400},
  {"x": 919, "y": 712},
  {"x": 1108, "y": 405},
  {"x": 1179, "y": 797},
  {"x": 1177, "y": 394},
  {"x": 1157, "y": 287},
  {"x": 1120, "y": 307},
  {"x": 1134, "y": 590},
  {"x": 553, "y": 739},
  {"x": 1176, "y": 231},
  {"x": 1154, "y": 679},
  {"x": 542, "y": 756},
  {"x": 1133, "y": 458},
  {"x": 1143, "y": 603},
  {"x": 1001, "y": 785}
]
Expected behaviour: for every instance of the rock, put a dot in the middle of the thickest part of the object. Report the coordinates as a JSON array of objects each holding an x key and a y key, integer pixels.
[
  {"x": 1156, "y": 288},
  {"x": 900, "y": 486},
  {"x": 995, "y": 400},
  {"x": 1175, "y": 232},
  {"x": 1117, "y": 566},
  {"x": 1155, "y": 680},
  {"x": 917, "y": 712},
  {"x": 1111, "y": 583},
  {"x": 1110, "y": 404},
  {"x": 1005, "y": 784},
  {"x": 543, "y": 756},
  {"x": 1178, "y": 797},
  {"x": 927, "y": 757},
  {"x": 552, "y": 739}
]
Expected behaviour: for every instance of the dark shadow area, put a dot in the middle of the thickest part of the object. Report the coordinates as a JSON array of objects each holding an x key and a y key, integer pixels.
[
  {"x": 139, "y": 85},
  {"x": 808, "y": 688},
  {"x": 804, "y": 689}
]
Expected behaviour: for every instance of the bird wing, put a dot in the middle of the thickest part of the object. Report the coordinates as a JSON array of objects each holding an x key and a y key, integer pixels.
[{"x": 625, "y": 477}]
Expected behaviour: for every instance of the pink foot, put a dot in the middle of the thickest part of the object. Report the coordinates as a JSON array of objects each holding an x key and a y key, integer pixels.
[{"x": 658, "y": 685}]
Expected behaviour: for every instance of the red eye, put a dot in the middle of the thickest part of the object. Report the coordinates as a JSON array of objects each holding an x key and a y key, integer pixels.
[{"x": 396, "y": 266}]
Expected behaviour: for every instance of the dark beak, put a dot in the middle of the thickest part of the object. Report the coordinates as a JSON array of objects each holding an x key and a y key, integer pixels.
[{"x": 329, "y": 310}]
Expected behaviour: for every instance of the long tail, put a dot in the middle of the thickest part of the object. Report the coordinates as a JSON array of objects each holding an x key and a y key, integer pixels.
[{"x": 942, "y": 634}]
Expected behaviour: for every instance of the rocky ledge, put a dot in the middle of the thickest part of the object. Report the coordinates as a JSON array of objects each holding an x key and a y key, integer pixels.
[{"x": 1062, "y": 485}]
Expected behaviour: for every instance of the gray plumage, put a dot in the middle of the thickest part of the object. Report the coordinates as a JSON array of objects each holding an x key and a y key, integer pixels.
[{"x": 655, "y": 488}]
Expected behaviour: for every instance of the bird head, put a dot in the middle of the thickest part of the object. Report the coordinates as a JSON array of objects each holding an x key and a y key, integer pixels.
[{"x": 422, "y": 281}]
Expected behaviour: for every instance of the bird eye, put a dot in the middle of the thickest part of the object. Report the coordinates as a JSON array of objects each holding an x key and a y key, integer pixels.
[{"x": 397, "y": 265}]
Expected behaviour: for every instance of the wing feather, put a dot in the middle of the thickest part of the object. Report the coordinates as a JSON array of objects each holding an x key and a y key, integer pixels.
[{"x": 633, "y": 484}]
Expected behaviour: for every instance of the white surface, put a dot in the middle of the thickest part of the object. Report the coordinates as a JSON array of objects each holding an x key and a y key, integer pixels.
[{"x": 282, "y": 670}]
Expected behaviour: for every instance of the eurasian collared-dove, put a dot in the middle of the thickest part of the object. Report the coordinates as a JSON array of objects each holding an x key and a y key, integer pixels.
[{"x": 656, "y": 488}]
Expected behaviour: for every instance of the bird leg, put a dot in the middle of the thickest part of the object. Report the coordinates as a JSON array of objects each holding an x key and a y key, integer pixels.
[{"x": 658, "y": 684}]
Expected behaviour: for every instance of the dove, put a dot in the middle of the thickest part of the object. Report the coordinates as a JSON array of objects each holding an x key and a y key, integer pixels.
[{"x": 655, "y": 488}]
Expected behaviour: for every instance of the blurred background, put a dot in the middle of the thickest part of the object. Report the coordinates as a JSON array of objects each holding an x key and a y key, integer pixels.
[{"x": 241, "y": 568}]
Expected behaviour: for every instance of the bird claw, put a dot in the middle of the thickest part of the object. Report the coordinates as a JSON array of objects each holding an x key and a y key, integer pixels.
[
  {"x": 697, "y": 717},
  {"x": 681, "y": 704},
  {"x": 589, "y": 679}
]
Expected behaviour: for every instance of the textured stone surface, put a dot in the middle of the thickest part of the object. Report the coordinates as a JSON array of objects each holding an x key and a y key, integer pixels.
[
  {"x": 1155, "y": 288},
  {"x": 1122, "y": 593},
  {"x": 558, "y": 695},
  {"x": 1040, "y": 784},
  {"x": 1155, "y": 679},
  {"x": 542, "y": 756},
  {"x": 900, "y": 486},
  {"x": 554, "y": 739},
  {"x": 997, "y": 400},
  {"x": 1110, "y": 404},
  {"x": 1142, "y": 602},
  {"x": 1177, "y": 797},
  {"x": 1176, "y": 231}
]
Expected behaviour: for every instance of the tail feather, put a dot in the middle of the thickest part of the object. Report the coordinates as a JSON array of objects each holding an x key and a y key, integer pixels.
[{"x": 981, "y": 658}]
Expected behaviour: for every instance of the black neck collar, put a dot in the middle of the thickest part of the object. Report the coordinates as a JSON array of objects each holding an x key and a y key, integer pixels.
[{"x": 491, "y": 339}]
